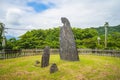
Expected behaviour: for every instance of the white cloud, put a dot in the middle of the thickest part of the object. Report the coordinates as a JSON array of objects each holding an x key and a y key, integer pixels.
[
  {"x": 81, "y": 13},
  {"x": 13, "y": 16}
]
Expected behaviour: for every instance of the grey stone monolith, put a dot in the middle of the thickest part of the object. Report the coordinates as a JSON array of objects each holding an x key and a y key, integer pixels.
[
  {"x": 68, "y": 50},
  {"x": 45, "y": 57}
]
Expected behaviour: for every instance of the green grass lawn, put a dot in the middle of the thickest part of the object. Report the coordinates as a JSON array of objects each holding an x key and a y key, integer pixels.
[{"x": 89, "y": 67}]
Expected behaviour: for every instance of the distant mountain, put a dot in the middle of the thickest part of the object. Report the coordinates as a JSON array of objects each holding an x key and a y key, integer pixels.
[
  {"x": 111, "y": 29},
  {"x": 9, "y": 36}
]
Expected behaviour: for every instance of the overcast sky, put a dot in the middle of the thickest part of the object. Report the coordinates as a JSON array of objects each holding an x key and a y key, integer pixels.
[{"x": 44, "y": 14}]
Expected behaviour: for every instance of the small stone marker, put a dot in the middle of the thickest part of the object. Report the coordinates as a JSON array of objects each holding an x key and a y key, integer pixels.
[
  {"x": 53, "y": 68},
  {"x": 37, "y": 63},
  {"x": 45, "y": 57}
]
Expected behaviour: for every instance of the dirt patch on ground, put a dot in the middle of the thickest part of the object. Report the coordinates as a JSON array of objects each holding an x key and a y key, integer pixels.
[
  {"x": 81, "y": 77},
  {"x": 20, "y": 73},
  {"x": 5, "y": 77},
  {"x": 1, "y": 65}
]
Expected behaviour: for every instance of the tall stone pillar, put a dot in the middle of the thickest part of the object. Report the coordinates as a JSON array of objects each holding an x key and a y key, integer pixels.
[{"x": 68, "y": 50}]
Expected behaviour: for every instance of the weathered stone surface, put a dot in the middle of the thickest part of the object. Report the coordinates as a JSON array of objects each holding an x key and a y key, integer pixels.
[
  {"x": 45, "y": 57},
  {"x": 37, "y": 63},
  {"x": 53, "y": 68},
  {"x": 68, "y": 50}
]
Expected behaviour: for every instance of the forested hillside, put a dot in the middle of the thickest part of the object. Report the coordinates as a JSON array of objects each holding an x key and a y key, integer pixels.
[
  {"x": 111, "y": 29},
  {"x": 85, "y": 38}
]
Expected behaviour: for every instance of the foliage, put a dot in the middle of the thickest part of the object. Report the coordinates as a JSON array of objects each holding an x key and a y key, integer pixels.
[
  {"x": 85, "y": 38},
  {"x": 50, "y": 37},
  {"x": 40, "y": 38},
  {"x": 12, "y": 44},
  {"x": 1, "y": 31},
  {"x": 111, "y": 29}
]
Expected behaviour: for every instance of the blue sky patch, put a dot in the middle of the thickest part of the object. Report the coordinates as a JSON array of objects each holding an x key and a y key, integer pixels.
[{"x": 39, "y": 7}]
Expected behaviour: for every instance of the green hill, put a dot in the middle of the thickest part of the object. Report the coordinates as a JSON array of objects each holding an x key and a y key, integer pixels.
[{"x": 111, "y": 29}]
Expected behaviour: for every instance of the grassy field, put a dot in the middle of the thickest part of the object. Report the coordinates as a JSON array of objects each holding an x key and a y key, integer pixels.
[{"x": 89, "y": 67}]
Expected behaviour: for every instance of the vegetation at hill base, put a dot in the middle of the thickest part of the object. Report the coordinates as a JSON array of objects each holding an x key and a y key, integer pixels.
[{"x": 85, "y": 38}]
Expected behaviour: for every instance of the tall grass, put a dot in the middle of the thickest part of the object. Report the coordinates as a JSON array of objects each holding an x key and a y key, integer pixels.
[{"x": 89, "y": 67}]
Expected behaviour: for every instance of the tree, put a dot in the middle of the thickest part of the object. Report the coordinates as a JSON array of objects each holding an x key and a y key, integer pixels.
[
  {"x": 2, "y": 37},
  {"x": 85, "y": 38}
]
